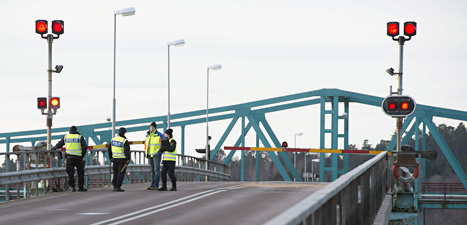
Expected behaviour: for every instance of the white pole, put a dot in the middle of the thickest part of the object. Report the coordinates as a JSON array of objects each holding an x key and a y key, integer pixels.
[
  {"x": 115, "y": 53},
  {"x": 168, "y": 81},
  {"x": 207, "y": 121}
]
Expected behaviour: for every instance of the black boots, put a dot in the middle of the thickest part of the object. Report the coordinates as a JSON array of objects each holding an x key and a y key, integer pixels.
[
  {"x": 82, "y": 189},
  {"x": 163, "y": 188},
  {"x": 73, "y": 189},
  {"x": 174, "y": 186}
]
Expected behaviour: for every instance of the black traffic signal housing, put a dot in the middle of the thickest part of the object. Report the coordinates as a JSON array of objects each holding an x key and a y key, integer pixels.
[
  {"x": 410, "y": 28},
  {"x": 393, "y": 29},
  {"x": 41, "y": 26},
  {"x": 42, "y": 103},
  {"x": 58, "y": 27},
  {"x": 54, "y": 102},
  {"x": 398, "y": 105}
]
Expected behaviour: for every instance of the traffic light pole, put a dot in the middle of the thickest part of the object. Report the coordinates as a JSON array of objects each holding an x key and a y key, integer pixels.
[
  {"x": 50, "y": 39},
  {"x": 401, "y": 41}
]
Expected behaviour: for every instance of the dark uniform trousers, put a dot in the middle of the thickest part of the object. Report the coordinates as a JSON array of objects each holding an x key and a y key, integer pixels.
[
  {"x": 71, "y": 163},
  {"x": 170, "y": 167},
  {"x": 118, "y": 174}
]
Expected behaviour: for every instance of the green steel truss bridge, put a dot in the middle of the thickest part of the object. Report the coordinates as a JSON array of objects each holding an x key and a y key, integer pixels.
[{"x": 252, "y": 116}]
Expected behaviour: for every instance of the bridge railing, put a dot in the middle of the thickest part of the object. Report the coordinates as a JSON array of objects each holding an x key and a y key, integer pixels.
[
  {"x": 354, "y": 198},
  {"x": 33, "y": 173}
]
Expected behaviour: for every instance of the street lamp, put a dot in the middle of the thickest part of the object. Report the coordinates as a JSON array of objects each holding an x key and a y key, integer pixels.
[
  {"x": 295, "y": 146},
  {"x": 176, "y": 43},
  {"x": 215, "y": 67},
  {"x": 124, "y": 12}
]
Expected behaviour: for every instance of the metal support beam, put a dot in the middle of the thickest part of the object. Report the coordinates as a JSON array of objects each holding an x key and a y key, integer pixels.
[
  {"x": 284, "y": 155},
  {"x": 224, "y": 136},
  {"x": 242, "y": 172},
  {"x": 446, "y": 151},
  {"x": 265, "y": 142}
]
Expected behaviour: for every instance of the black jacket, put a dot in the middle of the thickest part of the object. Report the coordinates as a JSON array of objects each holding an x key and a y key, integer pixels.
[
  {"x": 126, "y": 148},
  {"x": 84, "y": 146},
  {"x": 172, "y": 146}
]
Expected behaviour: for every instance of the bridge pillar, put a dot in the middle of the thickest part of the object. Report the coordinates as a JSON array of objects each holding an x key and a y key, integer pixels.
[{"x": 334, "y": 131}]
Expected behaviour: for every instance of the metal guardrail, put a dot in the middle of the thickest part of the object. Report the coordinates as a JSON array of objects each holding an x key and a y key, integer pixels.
[
  {"x": 47, "y": 172},
  {"x": 443, "y": 188},
  {"x": 354, "y": 198}
]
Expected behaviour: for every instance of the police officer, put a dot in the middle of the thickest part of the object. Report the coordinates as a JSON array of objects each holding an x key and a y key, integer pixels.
[
  {"x": 119, "y": 154},
  {"x": 152, "y": 146},
  {"x": 75, "y": 152},
  {"x": 168, "y": 162}
]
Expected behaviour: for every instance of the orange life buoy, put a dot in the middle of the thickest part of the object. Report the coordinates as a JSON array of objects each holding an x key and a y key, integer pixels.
[{"x": 395, "y": 171}]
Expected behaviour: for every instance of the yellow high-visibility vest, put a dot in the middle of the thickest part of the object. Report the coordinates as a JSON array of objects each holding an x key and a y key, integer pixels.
[
  {"x": 73, "y": 145},
  {"x": 170, "y": 156},
  {"x": 117, "y": 147},
  {"x": 152, "y": 143}
]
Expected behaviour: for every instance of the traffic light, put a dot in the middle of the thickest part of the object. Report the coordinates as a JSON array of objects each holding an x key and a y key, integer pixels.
[
  {"x": 41, "y": 26},
  {"x": 398, "y": 105},
  {"x": 393, "y": 29},
  {"x": 58, "y": 27},
  {"x": 54, "y": 103},
  {"x": 42, "y": 103},
  {"x": 410, "y": 28}
]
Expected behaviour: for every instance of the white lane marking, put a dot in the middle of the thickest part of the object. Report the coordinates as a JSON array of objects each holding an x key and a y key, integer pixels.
[
  {"x": 150, "y": 208},
  {"x": 164, "y": 204},
  {"x": 91, "y": 214},
  {"x": 168, "y": 207}
]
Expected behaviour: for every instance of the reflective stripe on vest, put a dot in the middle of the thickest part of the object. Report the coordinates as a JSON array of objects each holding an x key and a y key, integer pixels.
[
  {"x": 170, "y": 156},
  {"x": 73, "y": 145},
  {"x": 153, "y": 143},
  {"x": 117, "y": 147}
]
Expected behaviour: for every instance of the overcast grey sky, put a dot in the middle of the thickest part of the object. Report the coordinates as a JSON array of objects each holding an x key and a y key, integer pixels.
[{"x": 267, "y": 49}]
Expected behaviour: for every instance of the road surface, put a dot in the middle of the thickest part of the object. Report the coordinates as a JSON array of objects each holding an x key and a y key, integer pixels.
[{"x": 194, "y": 203}]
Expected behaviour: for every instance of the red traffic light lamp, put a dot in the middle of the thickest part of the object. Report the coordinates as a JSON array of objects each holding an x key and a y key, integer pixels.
[
  {"x": 410, "y": 29},
  {"x": 41, "y": 26},
  {"x": 398, "y": 105},
  {"x": 58, "y": 27},
  {"x": 393, "y": 29},
  {"x": 42, "y": 103}
]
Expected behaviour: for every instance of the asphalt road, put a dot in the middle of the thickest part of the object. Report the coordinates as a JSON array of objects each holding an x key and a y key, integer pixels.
[{"x": 193, "y": 203}]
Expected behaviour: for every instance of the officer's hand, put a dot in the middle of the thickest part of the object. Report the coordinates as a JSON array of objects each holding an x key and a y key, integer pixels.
[{"x": 111, "y": 160}]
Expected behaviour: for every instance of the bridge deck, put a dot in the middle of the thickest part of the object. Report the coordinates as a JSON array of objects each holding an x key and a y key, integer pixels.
[{"x": 193, "y": 203}]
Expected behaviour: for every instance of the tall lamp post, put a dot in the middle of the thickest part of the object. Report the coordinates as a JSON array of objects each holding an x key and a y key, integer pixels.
[
  {"x": 214, "y": 67},
  {"x": 176, "y": 43},
  {"x": 295, "y": 146},
  {"x": 124, "y": 12}
]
